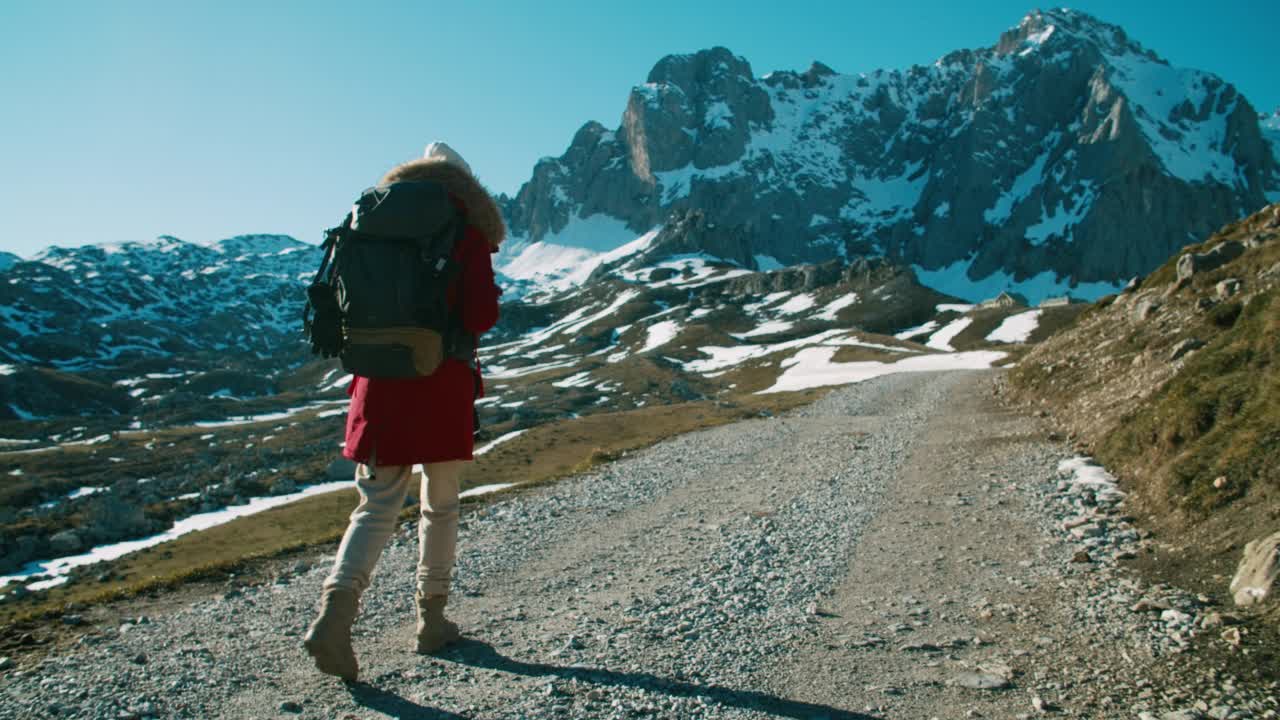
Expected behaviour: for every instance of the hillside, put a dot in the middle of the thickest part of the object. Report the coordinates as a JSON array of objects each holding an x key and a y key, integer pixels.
[{"x": 1175, "y": 385}]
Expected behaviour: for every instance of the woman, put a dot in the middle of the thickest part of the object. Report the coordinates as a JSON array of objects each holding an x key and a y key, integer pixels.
[{"x": 395, "y": 424}]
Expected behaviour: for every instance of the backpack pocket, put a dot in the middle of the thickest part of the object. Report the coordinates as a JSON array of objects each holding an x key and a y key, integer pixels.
[{"x": 393, "y": 352}]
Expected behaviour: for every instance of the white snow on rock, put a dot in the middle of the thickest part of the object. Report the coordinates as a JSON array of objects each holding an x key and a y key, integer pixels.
[
  {"x": 813, "y": 367},
  {"x": 579, "y": 380},
  {"x": 660, "y": 334},
  {"x": 941, "y": 340},
  {"x": 797, "y": 304},
  {"x": 765, "y": 328},
  {"x": 498, "y": 372},
  {"x": 769, "y": 299},
  {"x": 722, "y": 358},
  {"x": 84, "y": 491},
  {"x": 266, "y": 417},
  {"x": 567, "y": 258},
  {"x": 498, "y": 441},
  {"x": 1084, "y": 473},
  {"x": 57, "y": 569},
  {"x": 485, "y": 489},
  {"x": 830, "y": 309},
  {"x": 1016, "y": 328},
  {"x": 918, "y": 330}
]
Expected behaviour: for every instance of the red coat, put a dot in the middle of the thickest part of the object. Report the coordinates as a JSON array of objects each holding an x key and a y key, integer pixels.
[{"x": 428, "y": 419}]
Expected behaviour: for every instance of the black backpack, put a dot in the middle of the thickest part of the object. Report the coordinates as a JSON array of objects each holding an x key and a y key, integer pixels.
[{"x": 378, "y": 301}]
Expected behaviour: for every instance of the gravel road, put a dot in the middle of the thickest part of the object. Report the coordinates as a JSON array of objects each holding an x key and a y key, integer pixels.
[{"x": 896, "y": 550}]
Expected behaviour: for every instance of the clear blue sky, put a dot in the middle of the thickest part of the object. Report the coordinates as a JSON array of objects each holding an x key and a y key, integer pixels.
[{"x": 124, "y": 120}]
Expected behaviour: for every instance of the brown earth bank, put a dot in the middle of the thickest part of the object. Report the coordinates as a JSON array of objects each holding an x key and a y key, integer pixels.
[
  {"x": 1175, "y": 386},
  {"x": 895, "y": 549}
]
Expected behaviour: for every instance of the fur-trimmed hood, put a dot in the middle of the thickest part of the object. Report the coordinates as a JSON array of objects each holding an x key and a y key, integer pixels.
[{"x": 482, "y": 211}]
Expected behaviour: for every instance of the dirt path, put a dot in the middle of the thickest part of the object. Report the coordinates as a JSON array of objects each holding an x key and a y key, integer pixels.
[{"x": 892, "y": 551}]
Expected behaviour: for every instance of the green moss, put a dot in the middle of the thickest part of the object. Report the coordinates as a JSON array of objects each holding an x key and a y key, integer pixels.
[{"x": 1225, "y": 314}]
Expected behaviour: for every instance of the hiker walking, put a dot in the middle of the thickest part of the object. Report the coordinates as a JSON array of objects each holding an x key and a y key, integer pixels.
[{"x": 397, "y": 423}]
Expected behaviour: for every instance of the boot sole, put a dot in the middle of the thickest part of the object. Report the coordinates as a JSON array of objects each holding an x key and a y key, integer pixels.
[
  {"x": 434, "y": 647},
  {"x": 329, "y": 660}
]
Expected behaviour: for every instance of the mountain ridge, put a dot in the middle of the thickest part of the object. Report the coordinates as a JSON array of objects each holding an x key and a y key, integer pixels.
[{"x": 1075, "y": 122}]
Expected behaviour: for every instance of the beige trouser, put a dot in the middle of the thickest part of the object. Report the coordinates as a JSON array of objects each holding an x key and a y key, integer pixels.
[{"x": 382, "y": 492}]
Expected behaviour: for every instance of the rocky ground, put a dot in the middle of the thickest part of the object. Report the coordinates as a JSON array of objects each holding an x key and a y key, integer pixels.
[{"x": 904, "y": 548}]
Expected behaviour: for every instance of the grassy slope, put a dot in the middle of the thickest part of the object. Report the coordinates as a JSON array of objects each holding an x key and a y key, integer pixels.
[{"x": 1170, "y": 429}]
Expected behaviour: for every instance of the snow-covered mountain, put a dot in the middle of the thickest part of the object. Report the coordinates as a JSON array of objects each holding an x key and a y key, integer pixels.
[
  {"x": 1270, "y": 124},
  {"x": 728, "y": 216},
  {"x": 1066, "y": 158},
  {"x": 77, "y": 308}
]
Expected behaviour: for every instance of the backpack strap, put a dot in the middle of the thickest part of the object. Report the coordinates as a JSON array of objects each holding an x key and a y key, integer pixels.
[{"x": 331, "y": 237}]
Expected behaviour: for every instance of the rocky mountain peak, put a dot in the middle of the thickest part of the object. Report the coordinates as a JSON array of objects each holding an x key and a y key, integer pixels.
[
  {"x": 1065, "y": 159},
  {"x": 689, "y": 72},
  {"x": 256, "y": 244},
  {"x": 1065, "y": 29}
]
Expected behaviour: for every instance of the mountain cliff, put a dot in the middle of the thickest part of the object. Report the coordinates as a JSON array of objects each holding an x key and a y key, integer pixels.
[{"x": 1066, "y": 158}]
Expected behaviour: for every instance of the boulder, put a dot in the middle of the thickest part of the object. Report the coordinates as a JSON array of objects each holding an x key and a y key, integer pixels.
[
  {"x": 1185, "y": 347},
  {"x": 1258, "y": 569},
  {"x": 66, "y": 542},
  {"x": 1220, "y": 255},
  {"x": 1144, "y": 308},
  {"x": 1227, "y": 288}
]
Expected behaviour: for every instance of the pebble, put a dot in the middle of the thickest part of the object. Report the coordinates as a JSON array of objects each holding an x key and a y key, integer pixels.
[
  {"x": 715, "y": 618},
  {"x": 980, "y": 681}
]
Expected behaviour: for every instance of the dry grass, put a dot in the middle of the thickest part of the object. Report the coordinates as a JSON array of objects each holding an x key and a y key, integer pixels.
[{"x": 543, "y": 454}]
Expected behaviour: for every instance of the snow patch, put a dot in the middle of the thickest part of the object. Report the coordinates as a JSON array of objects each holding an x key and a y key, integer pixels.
[
  {"x": 941, "y": 340},
  {"x": 504, "y": 438},
  {"x": 660, "y": 334},
  {"x": 813, "y": 367},
  {"x": 1016, "y": 328}
]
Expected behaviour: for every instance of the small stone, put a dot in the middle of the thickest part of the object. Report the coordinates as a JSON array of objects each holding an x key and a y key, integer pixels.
[
  {"x": 1146, "y": 605},
  {"x": 920, "y": 647},
  {"x": 981, "y": 681},
  {"x": 1041, "y": 705},
  {"x": 290, "y": 706},
  {"x": 5, "y": 663},
  {"x": 1232, "y": 636},
  {"x": 1220, "y": 482},
  {"x": 1082, "y": 556},
  {"x": 1189, "y": 714},
  {"x": 1184, "y": 347}
]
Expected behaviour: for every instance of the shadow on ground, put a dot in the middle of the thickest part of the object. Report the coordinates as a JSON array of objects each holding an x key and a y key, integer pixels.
[
  {"x": 393, "y": 705},
  {"x": 482, "y": 655}
]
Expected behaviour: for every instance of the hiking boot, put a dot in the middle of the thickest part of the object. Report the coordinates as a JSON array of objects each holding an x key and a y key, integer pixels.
[
  {"x": 434, "y": 631},
  {"x": 328, "y": 641}
]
